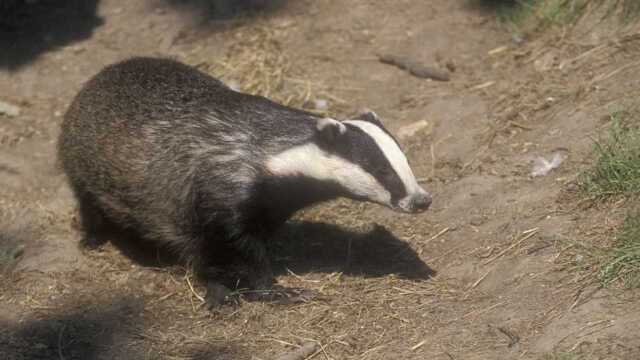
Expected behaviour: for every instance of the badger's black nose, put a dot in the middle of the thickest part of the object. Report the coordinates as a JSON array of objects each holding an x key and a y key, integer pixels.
[{"x": 421, "y": 202}]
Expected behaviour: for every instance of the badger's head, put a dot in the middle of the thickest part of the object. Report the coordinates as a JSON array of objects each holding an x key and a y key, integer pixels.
[{"x": 362, "y": 158}]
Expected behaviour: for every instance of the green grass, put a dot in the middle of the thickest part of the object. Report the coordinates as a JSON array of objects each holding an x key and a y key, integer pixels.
[
  {"x": 557, "y": 12},
  {"x": 617, "y": 167},
  {"x": 624, "y": 259},
  {"x": 630, "y": 9},
  {"x": 616, "y": 173}
]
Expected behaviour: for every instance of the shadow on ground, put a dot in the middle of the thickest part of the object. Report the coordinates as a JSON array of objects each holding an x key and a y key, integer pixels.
[
  {"x": 493, "y": 4},
  {"x": 229, "y": 9},
  {"x": 30, "y": 28},
  {"x": 107, "y": 330},
  {"x": 16, "y": 232},
  {"x": 305, "y": 247}
]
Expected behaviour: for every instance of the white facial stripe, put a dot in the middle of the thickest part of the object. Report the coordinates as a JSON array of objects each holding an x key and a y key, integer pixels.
[
  {"x": 394, "y": 155},
  {"x": 309, "y": 160}
]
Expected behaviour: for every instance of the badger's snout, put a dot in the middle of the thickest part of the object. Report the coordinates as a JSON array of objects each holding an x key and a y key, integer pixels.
[{"x": 415, "y": 203}]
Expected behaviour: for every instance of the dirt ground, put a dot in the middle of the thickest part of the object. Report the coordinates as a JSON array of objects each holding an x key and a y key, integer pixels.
[{"x": 497, "y": 269}]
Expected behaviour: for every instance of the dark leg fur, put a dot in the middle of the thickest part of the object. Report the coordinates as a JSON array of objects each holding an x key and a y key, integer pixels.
[
  {"x": 95, "y": 226},
  {"x": 260, "y": 279},
  {"x": 239, "y": 268},
  {"x": 230, "y": 269},
  {"x": 259, "y": 272}
]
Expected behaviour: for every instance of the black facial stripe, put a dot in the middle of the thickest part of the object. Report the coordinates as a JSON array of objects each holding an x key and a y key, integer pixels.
[
  {"x": 359, "y": 148},
  {"x": 379, "y": 125}
]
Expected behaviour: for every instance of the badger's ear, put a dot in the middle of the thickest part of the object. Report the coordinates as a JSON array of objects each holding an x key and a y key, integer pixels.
[
  {"x": 330, "y": 129},
  {"x": 369, "y": 116}
]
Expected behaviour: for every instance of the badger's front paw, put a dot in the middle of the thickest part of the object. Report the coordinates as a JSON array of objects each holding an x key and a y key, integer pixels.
[{"x": 219, "y": 295}]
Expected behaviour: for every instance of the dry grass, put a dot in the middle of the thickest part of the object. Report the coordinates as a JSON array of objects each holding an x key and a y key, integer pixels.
[
  {"x": 256, "y": 63},
  {"x": 15, "y": 233}
]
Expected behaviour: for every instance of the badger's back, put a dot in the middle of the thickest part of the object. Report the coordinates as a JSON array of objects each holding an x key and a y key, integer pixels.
[
  {"x": 140, "y": 132},
  {"x": 141, "y": 93}
]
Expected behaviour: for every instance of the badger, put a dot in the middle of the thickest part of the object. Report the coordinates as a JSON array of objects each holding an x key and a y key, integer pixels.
[{"x": 157, "y": 147}]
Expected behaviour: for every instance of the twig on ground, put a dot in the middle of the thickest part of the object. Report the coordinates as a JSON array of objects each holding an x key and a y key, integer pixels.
[
  {"x": 60, "y": 355},
  {"x": 529, "y": 234},
  {"x": 483, "y": 85},
  {"x": 513, "y": 338},
  {"x": 442, "y": 232},
  {"x": 482, "y": 311},
  {"x": 418, "y": 345},
  {"x": 193, "y": 290},
  {"x": 479, "y": 280},
  {"x": 414, "y": 68}
]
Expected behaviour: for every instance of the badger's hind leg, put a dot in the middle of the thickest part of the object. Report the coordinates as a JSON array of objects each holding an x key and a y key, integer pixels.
[{"x": 95, "y": 226}]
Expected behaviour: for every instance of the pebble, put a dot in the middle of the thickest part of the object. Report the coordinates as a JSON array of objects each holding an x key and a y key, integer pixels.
[
  {"x": 411, "y": 129},
  {"x": 234, "y": 85},
  {"x": 321, "y": 104},
  {"x": 9, "y": 109}
]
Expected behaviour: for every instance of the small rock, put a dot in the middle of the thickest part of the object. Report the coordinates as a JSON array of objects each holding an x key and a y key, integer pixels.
[
  {"x": 76, "y": 49},
  {"x": 57, "y": 113},
  {"x": 546, "y": 62},
  {"x": 572, "y": 187},
  {"x": 9, "y": 109},
  {"x": 321, "y": 104},
  {"x": 477, "y": 220},
  {"x": 451, "y": 66},
  {"x": 234, "y": 85},
  {"x": 517, "y": 38},
  {"x": 411, "y": 129}
]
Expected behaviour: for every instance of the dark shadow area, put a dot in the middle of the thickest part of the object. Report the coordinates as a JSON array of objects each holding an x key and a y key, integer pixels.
[
  {"x": 143, "y": 253},
  {"x": 15, "y": 233},
  {"x": 9, "y": 170},
  {"x": 306, "y": 247},
  {"x": 30, "y": 28},
  {"x": 229, "y": 9},
  {"x": 499, "y": 6},
  {"x": 82, "y": 332},
  {"x": 91, "y": 331},
  {"x": 492, "y": 4}
]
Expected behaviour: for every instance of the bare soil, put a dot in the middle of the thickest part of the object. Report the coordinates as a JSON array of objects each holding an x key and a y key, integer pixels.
[{"x": 499, "y": 268}]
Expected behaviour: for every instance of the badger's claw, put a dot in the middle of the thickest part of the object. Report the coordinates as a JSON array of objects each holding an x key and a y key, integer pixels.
[
  {"x": 281, "y": 295},
  {"x": 296, "y": 296}
]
